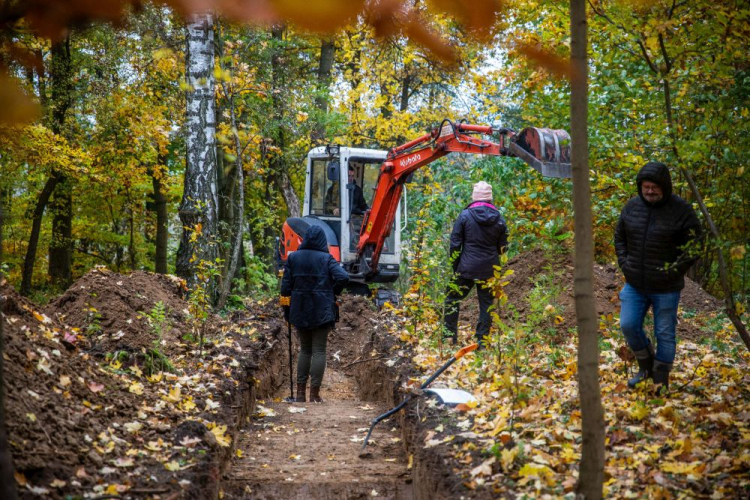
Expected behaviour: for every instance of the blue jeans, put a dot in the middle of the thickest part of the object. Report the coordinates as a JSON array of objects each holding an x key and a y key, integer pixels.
[{"x": 635, "y": 305}]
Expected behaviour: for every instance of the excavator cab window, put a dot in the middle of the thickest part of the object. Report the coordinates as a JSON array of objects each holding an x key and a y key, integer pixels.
[
  {"x": 366, "y": 172},
  {"x": 324, "y": 192},
  {"x": 370, "y": 181}
]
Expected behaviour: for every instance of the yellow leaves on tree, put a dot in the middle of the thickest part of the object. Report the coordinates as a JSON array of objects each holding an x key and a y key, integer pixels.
[{"x": 37, "y": 145}]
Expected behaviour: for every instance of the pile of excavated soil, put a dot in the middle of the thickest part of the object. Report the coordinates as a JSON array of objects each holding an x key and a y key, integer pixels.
[
  {"x": 58, "y": 401},
  {"x": 358, "y": 314},
  {"x": 111, "y": 310},
  {"x": 47, "y": 379},
  {"x": 77, "y": 422},
  {"x": 608, "y": 282}
]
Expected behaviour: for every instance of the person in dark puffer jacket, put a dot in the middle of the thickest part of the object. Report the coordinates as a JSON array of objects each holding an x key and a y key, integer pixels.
[
  {"x": 312, "y": 279},
  {"x": 479, "y": 236},
  {"x": 651, "y": 238}
]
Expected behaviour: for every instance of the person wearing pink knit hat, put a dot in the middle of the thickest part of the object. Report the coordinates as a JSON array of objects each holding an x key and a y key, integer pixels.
[
  {"x": 482, "y": 192},
  {"x": 478, "y": 238}
]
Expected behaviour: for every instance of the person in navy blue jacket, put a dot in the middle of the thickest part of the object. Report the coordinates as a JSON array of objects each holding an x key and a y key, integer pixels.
[
  {"x": 479, "y": 236},
  {"x": 312, "y": 279}
]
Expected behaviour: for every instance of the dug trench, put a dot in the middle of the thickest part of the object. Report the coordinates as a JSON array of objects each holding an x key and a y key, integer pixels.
[
  {"x": 315, "y": 451},
  {"x": 85, "y": 419}
]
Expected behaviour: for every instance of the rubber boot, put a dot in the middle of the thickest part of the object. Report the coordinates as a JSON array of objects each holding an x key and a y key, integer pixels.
[
  {"x": 645, "y": 358},
  {"x": 301, "y": 389},
  {"x": 661, "y": 377},
  {"x": 315, "y": 395}
]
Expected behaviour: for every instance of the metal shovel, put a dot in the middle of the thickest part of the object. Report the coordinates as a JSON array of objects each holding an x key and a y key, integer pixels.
[{"x": 460, "y": 354}]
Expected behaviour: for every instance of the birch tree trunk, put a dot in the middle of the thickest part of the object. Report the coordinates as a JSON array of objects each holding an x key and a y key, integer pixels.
[
  {"x": 7, "y": 481},
  {"x": 591, "y": 470},
  {"x": 198, "y": 209}
]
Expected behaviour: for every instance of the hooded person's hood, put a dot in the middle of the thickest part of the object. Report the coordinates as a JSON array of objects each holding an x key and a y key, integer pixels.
[
  {"x": 484, "y": 215},
  {"x": 657, "y": 173},
  {"x": 315, "y": 239}
]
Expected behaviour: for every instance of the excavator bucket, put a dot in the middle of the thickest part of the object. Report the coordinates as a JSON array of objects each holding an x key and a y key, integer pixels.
[{"x": 546, "y": 150}]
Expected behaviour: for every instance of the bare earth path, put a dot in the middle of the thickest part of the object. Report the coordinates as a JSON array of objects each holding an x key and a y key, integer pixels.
[{"x": 314, "y": 454}]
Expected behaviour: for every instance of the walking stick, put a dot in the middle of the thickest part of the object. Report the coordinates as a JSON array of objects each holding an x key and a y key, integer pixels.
[
  {"x": 285, "y": 302},
  {"x": 460, "y": 354},
  {"x": 290, "y": 399}
]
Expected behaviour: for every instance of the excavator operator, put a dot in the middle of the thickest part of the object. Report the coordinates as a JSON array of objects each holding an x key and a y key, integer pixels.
[{"x": 357, "y": 202}]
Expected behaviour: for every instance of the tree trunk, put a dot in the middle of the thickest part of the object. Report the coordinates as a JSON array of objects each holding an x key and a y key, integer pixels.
[
  {"x": 36, "y": 227},
  {"x": 325, "y": 66},
  {"x": 199, "y": 201},
  {"x": 131, "y": 227},
  {"x": 264, "y": 246},
  {"x": 7, "y": 481},
  {"x": 239, "y": 230},
  {"x": 162, "y": 230},
  {"x": 293, "y": 204},
  {"x": 278, "y": 101},
  {"x": 726, "y": 286},
  {"x": 61, "y": 245},
  {"x": 405, "y": 93},
  {"x": 591, "y": 471},
  {"x": 225, "y": 171},
  {"x": 118, "y": 228}
]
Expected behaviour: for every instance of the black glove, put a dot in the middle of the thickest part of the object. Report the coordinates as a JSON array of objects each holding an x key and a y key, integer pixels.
[
  {"x": 286, "y": 313},
  {"x": 336, "y": 310}
]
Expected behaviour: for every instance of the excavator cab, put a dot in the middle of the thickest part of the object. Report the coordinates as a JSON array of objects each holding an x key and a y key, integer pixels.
[{"x": 339, "y": 186}]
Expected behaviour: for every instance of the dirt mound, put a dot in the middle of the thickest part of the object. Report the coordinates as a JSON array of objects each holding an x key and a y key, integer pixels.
[
  {"x": 358, "y": 314},
  {"x": 78, "y": 425},
  {"x": 111, "y": 308},
  {"x": 693, "y": 297},
  {"x": 47, "y": 378},
  {"x": 536, "y": 270}
]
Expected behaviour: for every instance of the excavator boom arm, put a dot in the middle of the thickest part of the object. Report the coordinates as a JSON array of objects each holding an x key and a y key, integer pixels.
[{"x": 404, "y": 160}]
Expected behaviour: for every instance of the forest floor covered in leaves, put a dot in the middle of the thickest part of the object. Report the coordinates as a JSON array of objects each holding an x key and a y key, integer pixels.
[{"x": 93, "y": 412}]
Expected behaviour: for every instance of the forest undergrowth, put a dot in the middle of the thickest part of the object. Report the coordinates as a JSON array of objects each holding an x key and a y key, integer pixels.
[{"x": 522, "y": 436}]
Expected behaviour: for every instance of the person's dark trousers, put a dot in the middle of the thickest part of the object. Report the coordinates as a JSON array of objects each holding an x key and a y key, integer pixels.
[
  {"x": 458, "y": 292},
  {"x": 312, "y": 356}
]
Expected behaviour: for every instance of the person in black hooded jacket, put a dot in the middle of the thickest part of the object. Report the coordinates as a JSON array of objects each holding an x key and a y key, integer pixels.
[
  {"x": 312, "y": 279},
  {"x": 479, "y": 237},
  {"x": 651, "y": 242}
]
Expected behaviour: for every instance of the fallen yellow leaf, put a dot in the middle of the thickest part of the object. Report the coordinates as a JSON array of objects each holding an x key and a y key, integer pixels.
[
  {"x": 219, "y": 432},
  {"x": 172, "y": 466}
]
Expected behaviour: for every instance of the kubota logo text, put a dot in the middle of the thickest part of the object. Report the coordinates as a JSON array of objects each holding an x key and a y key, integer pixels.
[{"x": 410, "y": 160}]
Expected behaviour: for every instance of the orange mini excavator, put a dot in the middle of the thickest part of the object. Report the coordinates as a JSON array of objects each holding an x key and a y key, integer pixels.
[{"x": 355, "y": 194}]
